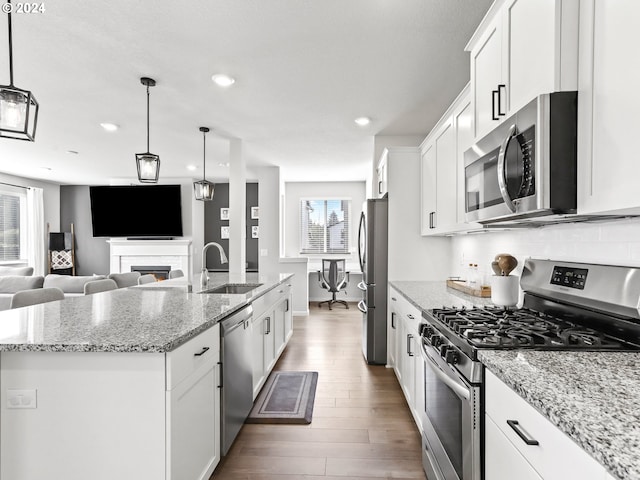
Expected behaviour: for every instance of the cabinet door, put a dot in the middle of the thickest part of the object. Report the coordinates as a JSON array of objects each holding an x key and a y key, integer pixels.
[
  {"x": 531, "y": 54},
  {"x": 392, "y": 333},
  {"x": 257, "y": 335},
  {"x": 463, "y": 121},
  {"x": 609, "y": 106},
  {"x": 269, "y": 343},
  {"x": 288, "y": 318},
  {"x": 408, "y": 364},
  {"x": 279, "y": 315},
  {"x": 418, "y": 383},
  {"x": 446, "y": 204},
  {"x": 502, "y": 460},
  {"x": 486, "y": 75},
  {"x": 381, "y": 174},
  {"x": 194, "y": 425},
  {"x": 429, "y": 189}
]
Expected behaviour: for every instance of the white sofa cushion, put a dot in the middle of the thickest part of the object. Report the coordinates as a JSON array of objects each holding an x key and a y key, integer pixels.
[
  {"x": 15, "y": 283},
  {"x": 70, "y": 284},
  {"x": 22, "y": 271}
]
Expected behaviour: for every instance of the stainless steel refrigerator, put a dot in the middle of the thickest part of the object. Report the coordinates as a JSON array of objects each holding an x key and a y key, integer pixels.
[{"x": 372, "y": 251}]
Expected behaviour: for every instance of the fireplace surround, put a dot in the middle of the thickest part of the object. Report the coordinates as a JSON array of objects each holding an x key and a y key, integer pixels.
[{"x": 172, "y": 254}]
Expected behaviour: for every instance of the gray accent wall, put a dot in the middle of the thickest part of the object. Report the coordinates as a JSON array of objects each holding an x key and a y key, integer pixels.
[
  {"x": 213, "y": 224},
  {"x": 92, "y": 254}
]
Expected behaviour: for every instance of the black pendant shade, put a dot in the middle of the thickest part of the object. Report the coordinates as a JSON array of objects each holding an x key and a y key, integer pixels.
[
  {"x": 148, "y": 163},
  {"x": 18, "y": 107},
  {"x": 203, "y": 190}
]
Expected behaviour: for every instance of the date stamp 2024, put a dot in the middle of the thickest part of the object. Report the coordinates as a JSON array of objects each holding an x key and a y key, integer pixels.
[{"x": 21, "y": 7}]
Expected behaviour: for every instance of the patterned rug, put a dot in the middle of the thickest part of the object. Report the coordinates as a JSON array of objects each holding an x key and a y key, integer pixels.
[{"x": 287, "y": 397}]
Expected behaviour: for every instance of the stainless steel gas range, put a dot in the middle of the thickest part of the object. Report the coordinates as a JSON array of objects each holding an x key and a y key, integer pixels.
[{"x": 567, "y": 306}]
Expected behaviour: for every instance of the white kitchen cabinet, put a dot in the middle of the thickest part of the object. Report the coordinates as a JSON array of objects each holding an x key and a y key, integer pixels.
[
  {"x": 554, "y": 456},
  {"x": 442, "y": 175},
  {"x": 271, "y": 328},
  {"x": 522, "y": 48},
  {"x": 408, "y": 362},
  {"x": 608, "y": 118},
  {"x": 382, "y": 176},
  {"x": 392, "y": 330}
]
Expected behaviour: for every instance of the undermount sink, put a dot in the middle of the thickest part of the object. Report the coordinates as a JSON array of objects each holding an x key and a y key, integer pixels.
[{"x": 233, "y": 288}]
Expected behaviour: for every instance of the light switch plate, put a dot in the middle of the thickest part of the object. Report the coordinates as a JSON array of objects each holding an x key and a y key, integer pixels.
[
  {"x": 22, "y": 398},
  {"x": 264, "y": 252}
]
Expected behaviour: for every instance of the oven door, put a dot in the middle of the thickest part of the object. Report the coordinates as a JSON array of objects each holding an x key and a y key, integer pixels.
[{"x": 451, "y": 422}]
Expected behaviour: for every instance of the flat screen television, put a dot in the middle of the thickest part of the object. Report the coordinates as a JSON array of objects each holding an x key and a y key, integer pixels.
[{"x": 153, "y": 211}]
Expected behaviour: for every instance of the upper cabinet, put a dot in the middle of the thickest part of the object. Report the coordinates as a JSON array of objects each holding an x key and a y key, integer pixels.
[
  {"x": 442, "y": 170},
  {"x": 382, "y": 175},
  {"x": 522, "y": 48},
  {"x": 609, "y": 103}
]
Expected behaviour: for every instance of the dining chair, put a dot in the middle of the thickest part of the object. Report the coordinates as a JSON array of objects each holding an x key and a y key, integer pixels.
[
  {"x": 127, "y": 279},
  {"x": 35, "y": 296},
  {"x": 98, "y": 286},
  {"x": 177, "y": 273},
  {"x": 147, "y": 278}
]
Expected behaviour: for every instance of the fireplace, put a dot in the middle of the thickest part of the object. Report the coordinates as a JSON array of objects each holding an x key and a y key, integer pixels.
[
  {"x": 148, "y": 254},
  {"x": 161, "y": 272}
]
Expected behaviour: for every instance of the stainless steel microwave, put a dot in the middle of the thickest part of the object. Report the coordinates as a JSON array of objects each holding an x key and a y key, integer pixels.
[{"x": 525, "y": 169}]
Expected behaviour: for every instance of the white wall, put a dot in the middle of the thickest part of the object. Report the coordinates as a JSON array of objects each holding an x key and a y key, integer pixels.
[{"x": 612, "y": 242}]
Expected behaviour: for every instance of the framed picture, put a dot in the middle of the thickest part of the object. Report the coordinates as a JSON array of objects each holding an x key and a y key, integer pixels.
[
  {"x": 255, "y": 213},
  {"x": 224, "y": 232},
  {"x": 255, "y": 229},
  {"x": 224, "y": 214}
]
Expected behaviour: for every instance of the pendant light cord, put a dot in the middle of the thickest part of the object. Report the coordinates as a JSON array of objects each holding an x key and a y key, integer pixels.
[
  {"x": 147, "y": 118},
  {"x": 10, "y": 48},
  {"x": 204, "y": 155}
]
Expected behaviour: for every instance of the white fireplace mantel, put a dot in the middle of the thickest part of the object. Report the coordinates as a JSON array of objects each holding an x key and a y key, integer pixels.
[{"x": 124, "y": 254}]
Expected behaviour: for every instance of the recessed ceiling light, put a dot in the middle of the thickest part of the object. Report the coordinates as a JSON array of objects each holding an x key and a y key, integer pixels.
[
  {"x": 223, "y": 164},
  {"x": 363, "y": 121},
  {"x": 72, "y": 152},
  {"x": 191, "y": 167},
  {"x": 109, "y": 127},
  {"x": 223, "y": 80}
]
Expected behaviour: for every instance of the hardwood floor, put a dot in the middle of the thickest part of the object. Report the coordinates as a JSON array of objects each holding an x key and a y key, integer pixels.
[{"x": 361, "y": 428}]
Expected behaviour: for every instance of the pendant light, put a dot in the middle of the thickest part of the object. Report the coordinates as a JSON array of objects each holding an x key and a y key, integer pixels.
[
  {"x": 203, "y": 189},
  {"x": 18, "y": 108},
  {"x": 148, "y": 163}
]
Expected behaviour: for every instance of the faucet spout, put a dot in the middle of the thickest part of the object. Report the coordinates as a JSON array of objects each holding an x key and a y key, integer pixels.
[{"x": 204, "y": 277}]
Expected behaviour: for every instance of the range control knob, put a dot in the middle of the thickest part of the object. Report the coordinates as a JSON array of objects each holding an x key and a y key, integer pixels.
[
  {"x": 435, "y": 340},
  {"x": 443, "y": 350},
  {"x": 426, "y": 330},
  {"x": 451, "y": 356}
]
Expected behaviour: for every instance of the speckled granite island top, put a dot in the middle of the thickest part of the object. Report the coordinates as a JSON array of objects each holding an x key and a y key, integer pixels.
[
  {"x": 151, "y": 319},
  {"x": 591, "y": 396}
]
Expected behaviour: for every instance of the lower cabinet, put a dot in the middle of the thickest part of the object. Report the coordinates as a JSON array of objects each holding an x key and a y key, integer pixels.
[
  {"x": 408, "y": 365},
  {"x": 272, "y": 326},
  {"x": 521, "y": 443}
]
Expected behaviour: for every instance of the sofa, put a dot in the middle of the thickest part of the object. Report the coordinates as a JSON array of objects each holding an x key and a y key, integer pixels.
[
  {"x": 19, "y": 271},
  {"x": 72, "y": 286},
  {"x": 10, "y": 284}
]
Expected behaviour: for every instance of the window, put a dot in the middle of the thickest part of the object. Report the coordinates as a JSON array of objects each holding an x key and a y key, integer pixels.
[
  {"x": 12, "y": 216},
  {"x": 324, "y": 226}
]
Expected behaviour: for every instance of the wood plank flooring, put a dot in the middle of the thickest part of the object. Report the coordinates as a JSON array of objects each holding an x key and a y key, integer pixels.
[{"x": 361, "y": 428}]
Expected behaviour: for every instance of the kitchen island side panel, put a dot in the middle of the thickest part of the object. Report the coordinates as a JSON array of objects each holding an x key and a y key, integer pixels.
[{"x": 98, "y": 416}]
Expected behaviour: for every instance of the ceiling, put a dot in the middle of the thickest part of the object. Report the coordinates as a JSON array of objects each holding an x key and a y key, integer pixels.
[{"x": 304, "y": 71}]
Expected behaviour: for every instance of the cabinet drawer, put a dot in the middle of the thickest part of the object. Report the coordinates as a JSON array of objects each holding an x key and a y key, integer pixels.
[
  {"x": 188, "y": 357},
  {"x": 555, "y": 456},
  {"x": 268, "y": 300}
]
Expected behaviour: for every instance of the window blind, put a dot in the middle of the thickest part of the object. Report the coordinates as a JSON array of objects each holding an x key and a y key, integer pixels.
[
  {"x": 9, "y": 227},
  {"x": 324, "y": 226}
]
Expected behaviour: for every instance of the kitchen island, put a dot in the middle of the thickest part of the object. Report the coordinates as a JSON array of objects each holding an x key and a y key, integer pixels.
[
  {"x": 103, "y": 386},
  {"x": 591, "y": 397}
]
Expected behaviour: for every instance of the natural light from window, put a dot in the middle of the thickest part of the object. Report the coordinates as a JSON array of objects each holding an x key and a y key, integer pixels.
[{"x": 324, "y": 225}]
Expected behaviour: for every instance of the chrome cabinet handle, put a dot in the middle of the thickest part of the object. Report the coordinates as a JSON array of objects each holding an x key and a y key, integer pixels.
[
  {"x": 500, "y": 88},
  {"x": 515, "y": 426},
  {"x": 502, "y": 168},
  {"x": 268, "y": 320},
  {"x": 380, "y": 188},
  {"x": 202, "y": 352},
  {"x": 432, "y": 219},
  {"x": 494, "y": 96},
  {"x": 409, "y": 352},
  {"x": 393, "y": 320}
]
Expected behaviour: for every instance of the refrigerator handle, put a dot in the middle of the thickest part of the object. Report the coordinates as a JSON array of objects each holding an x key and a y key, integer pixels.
[{"x": 360, "y": 233}]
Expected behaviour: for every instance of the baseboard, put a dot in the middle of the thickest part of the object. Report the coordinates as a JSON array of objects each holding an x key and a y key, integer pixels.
[{"x": 301, "y": 313}]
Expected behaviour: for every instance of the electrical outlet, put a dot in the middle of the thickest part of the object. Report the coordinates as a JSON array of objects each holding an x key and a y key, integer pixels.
[
  {"x": 264, "y": 252},
  {"x": 22, "y": 398}
]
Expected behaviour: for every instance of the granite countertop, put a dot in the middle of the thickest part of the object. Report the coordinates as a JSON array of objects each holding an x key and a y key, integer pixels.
[
  {"x": 593, "y": 397},
  {"x": 153, "y": 318},
  {"x": 427, "y": 295}
]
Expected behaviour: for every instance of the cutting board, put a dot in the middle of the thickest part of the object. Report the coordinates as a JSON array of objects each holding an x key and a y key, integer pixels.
[{"x": 483, "y": 291}]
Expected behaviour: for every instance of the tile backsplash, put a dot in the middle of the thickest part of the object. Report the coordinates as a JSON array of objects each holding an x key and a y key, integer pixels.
[{"x": 607, "y": 242}]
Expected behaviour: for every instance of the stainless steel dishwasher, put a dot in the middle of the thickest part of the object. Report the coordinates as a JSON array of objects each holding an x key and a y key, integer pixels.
[{"x": 237, "y": 374}]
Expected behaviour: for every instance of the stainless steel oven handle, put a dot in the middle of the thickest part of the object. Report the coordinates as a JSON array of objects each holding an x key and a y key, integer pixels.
[
  {"x": 502, "y": 168},
  {"x": 452, "y": 384}
]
